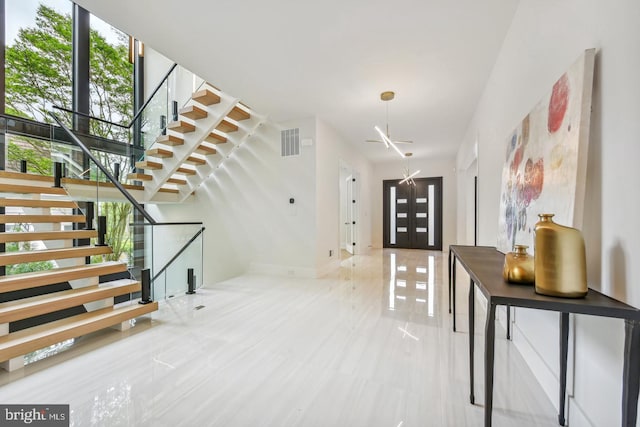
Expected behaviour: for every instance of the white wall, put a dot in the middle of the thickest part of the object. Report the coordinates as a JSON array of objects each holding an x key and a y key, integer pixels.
[
  {"x": 156, "y": 66},
  {"x": 331, "y": 151},
  {"x": 250, "y": 224},
  {"x": 444, "y": 167},
  {"x": 245, "y": 207},
  {"x": 180, "y": 84},
  {"x": 544, "y": 40},
  {"x": 466, "y": 204},
  {"x": 345, "y": 171}
]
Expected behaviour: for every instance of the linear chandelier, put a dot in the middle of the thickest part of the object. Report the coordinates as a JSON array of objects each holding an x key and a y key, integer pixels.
[
  {"x": 408, "y": 177},
  {"x": 387, "y": 142}
]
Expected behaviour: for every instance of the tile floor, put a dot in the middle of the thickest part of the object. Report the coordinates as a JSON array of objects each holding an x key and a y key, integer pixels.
[{"x": 369, "y": 345}]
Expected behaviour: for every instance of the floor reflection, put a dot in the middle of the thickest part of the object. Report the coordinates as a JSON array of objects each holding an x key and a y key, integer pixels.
[
  {"x": 410, "y": 285},
  {"x": 368, "y": 345}
]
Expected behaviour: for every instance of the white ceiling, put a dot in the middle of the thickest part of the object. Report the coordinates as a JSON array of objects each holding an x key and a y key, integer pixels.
[{"x": 332, "y": 58}]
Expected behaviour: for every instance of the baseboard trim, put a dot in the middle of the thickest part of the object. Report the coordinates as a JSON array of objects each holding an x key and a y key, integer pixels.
[
  {"x": 541, "y": 371},
  {"x": 282, "y": 270}
]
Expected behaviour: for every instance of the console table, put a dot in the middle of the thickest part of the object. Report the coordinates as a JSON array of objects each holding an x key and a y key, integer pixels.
[{"x": 484, "y": 266}]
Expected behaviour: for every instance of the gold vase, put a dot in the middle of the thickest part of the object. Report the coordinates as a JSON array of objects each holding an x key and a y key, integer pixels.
[
  {"x": 560, "y": 260},
  {"x": 518, "y": 266}
]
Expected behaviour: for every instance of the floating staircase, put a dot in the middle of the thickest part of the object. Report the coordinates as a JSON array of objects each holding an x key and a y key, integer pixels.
[
  {"x": 32, "y": 317},
  {"x": 208, "y": 128}
]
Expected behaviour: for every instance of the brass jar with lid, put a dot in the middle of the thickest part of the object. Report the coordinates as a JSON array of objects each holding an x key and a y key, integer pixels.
[
  {"x": 519, "y": 266},
  {"x": 560, "y": 260}
]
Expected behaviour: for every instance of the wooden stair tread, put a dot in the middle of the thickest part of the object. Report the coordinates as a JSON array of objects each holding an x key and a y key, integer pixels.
[
  {"x": 30, "y": 189},
  {"x": 177, "y": 181},
  {"x": 39, "y": 203},
  {"x": 48, "y": 303},
  {"x": 181, "y": 126},
  {"x": 205, "y": 97},
  {"x": 196, "y": 160},
  {"x": 206, "y": 149},
  {"x": 193, "y": 112},
  {"x": 239, "y": 114},
  {"x": 185, "y": 171},
  {"x": 11, "y": 258},
  {"x": 30, "y": 236},
  {"x": 94, "y": 184},
  {"x": 159, "y": 152},
  {"x": 31, "y": 339},
  {"x": 139, "y": 177},
  {"x": 22, "y": 219},
  {"x": 226, "y": 127},
  {"x": 58, "y": 275},
  {"x": 168, "y": 190},
  {"x": 147, "y": 164},
  {"x": 49, "y": 180},
  {"x": 170, "y": 140},
  {"x": 216, "y": 138},
  {"x": 22, "y": 176}
]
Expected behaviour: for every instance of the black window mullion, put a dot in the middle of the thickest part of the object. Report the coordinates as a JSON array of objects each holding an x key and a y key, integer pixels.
[
  {"x": 81, "y": 95},
  {"x": 3, "y": 161}
]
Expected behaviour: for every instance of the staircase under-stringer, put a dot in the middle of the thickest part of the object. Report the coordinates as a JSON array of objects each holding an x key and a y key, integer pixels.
[
  {"x": 46, "y": 307},
  {"x": 207, "y": 129}
]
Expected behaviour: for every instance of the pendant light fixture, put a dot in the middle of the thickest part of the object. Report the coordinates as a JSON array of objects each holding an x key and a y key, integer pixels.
[
  {"x": 408, "y": 176},
  {"x": 386, "y": 97}
]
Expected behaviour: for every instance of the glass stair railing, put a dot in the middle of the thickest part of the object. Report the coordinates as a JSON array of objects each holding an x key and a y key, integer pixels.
[{"x": 92, "y": 178}]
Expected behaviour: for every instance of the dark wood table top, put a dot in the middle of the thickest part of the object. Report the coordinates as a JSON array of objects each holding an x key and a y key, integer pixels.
[{"x": 484, "y": 265}]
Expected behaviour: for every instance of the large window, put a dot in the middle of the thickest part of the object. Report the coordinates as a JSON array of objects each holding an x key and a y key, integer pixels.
[
  {"x": 39, "y": 73},
  {"x": 39, "y": 70},
  {"x": 111, "y": 80},
  {"x": 38, "y": 57}
]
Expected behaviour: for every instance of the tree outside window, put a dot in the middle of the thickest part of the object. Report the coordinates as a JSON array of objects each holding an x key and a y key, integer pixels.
[{"x": 39, "y": 76}]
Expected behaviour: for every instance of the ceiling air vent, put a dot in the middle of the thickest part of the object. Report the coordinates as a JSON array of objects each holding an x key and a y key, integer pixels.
[{"x": 290, "y": 142}]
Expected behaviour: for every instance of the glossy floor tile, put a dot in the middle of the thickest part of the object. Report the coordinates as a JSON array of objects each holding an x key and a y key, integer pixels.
[{"x": 368, "y": 345}]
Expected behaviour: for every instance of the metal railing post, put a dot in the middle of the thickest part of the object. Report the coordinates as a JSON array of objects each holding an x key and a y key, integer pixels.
[
  {"x": 102, "y": 230},
  {"x": 191, "y": 281},
  {"x": 88, "y": 225},
  {"x": 145, "y": 298},
  {"x": 57, "y": 175}
]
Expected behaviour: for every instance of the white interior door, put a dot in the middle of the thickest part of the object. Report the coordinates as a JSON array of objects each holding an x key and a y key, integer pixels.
[{"x": 351, "y": 214}]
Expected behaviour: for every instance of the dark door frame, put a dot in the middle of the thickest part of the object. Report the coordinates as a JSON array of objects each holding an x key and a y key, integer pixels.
[{"x": 437, "y": 211}]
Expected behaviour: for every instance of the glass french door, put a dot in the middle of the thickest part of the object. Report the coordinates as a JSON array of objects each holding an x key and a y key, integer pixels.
[{"x": 413, "y": 214}]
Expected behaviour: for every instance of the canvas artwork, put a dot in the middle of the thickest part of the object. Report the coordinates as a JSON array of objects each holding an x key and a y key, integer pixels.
[{"x": 545, "y": 159}]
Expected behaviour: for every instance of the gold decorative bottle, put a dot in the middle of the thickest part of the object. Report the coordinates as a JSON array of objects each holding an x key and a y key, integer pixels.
[
  {"x": 518, "y": 266},
  {"x": 560, "y": 260}
]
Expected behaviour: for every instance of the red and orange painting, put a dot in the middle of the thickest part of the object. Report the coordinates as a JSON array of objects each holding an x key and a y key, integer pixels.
[{"x": 545, "y": 159}]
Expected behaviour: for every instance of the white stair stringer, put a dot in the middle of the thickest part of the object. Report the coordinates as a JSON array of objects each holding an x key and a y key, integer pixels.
[
  {"x": 192, "y": 140},
  {"x": 246, "y": 129}
]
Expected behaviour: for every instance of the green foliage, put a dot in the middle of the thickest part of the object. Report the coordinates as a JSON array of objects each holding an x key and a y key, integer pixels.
[
  {"x": 37, "y": 153},
  {"x": 117, "y": 228},
  {"x": 38, "y": 66},
  {"x": 28, "y": 267},
  {"x": 39, "y": 75},
  {"x": 24, "y": 246},
  {"x": 111, "y": 87}
]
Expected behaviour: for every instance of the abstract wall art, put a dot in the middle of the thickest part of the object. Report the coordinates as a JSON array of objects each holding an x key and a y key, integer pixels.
[{"x": 546, "y": 158}]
